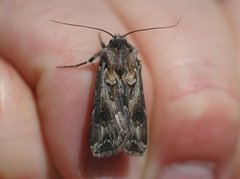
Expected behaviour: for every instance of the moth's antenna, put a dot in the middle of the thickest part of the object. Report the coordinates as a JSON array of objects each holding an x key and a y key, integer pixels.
[
  {"x": 153, "y": 28},
  {"x": 84, "y": 26}
]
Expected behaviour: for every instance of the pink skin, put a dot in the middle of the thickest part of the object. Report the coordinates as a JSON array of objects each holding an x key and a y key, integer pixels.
[{"x": 190, "y": 76}]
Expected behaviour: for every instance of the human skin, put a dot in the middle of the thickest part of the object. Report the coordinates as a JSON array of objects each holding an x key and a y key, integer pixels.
[{"x": 190, "y": 77}]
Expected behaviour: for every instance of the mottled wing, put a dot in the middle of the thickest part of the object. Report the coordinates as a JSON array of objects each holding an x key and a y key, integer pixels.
[
  {"x": 109, "y": 127},
  {"x": 137, "y": 140}
]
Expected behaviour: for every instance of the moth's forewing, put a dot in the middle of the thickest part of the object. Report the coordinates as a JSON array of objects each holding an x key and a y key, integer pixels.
[
  {"x": 109, "y": 128},
  {"x": 137, "y": 141}
]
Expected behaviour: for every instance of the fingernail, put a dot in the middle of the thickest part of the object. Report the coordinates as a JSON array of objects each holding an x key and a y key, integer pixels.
[{"x": 188, "y": 171}]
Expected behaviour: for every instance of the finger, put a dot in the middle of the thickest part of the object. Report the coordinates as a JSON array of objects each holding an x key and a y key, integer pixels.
[
  {"x": 65, "y": 96},
  {"x": 196, "y": 107},
  {"x": 22, "y": 151}
]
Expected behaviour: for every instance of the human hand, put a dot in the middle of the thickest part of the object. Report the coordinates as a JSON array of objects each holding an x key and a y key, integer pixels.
[{"x": 190, "y": 78}]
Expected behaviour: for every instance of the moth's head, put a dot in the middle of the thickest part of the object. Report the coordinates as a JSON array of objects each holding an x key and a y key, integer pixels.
[{"x": 118, "y": 41}]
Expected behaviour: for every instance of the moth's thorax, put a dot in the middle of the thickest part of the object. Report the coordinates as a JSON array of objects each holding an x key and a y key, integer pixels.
[
  {"x": 119, "y": 50},
  {"x": 118, "y": 42}
]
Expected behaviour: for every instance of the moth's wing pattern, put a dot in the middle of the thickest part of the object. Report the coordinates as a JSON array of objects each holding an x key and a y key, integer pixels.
[
  {"x": 109, "y": 126},
  {"x": 137, "y": 141}
]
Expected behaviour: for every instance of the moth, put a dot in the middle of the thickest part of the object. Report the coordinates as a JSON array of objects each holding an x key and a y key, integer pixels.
[{"x": 119, "y": 121}]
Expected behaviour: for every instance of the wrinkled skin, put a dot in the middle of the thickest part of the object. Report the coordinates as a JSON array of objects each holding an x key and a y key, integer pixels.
[{"x": 190, "y": 76}]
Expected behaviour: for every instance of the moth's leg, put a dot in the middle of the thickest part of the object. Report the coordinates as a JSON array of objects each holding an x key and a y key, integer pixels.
[
  {"x": 83, "y": 63},
  {"x": 101, "y": 42}
]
